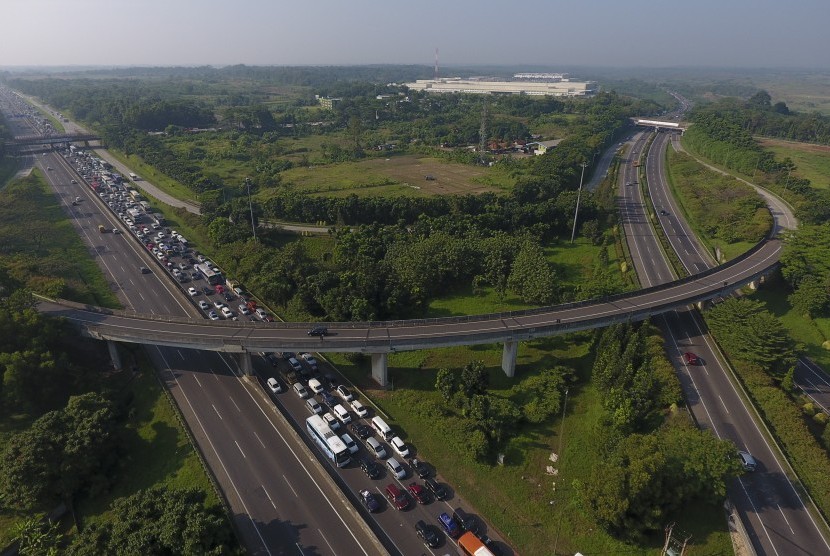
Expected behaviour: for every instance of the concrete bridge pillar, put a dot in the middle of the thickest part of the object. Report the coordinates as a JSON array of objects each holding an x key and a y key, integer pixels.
[
  {"x": 701, "y": 305},
  {"x": 246, "y": 363},
  {"x": 508, "y": 358},
  {"x": 753, "y": 285},
  {"x": 380, "y": 368},
  {"x": 114, "y": 356}
]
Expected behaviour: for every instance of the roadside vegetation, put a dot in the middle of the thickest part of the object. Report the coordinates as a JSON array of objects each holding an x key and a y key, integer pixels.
[
  {"x": 762, "y": 335},
  {"x": 73, "y": 431}
]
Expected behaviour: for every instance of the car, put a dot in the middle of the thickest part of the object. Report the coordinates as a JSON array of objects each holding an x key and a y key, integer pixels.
[
  {"x": 177, "y": 272},
  {"x": 272, "y": 359},
  {"x": 228, "y": 296},
  {"x": 315, "y": 385},
  {"x": 369, "y": 500},
  {"x": 349, "y": 442},
  {"x": 207, "y": 290},
  {"x": 418, "y": 492},
  {"x": 465, "y": 520},
  {"x": 308, "y": 358},
  {"x": 183, "y": 266},
  {"x": 218, "y": 304},
  {"x": 313, "y": 406},
  {"x": 399, "y": 446},
  {"x": 328, "y": 399},
  {"x": 371, "y": 468},
  {"x": 318, "y": 331},
  {"x": 144, "y": 270},
  {"x": 362, "y": 430},
  {"x": 375, "y": 447},
  {"x": 72, "y": 181},
  {"x": 490, "y": 544},
  {"x": 49, "y": 168},
  {"x": 295, "y": 364},
  {"x": 192, "y": 291},
  {"x": 359, "y": 408},
  {"x": 204, "y": 305},
  {"x": 691, "y": 358},
  {"x": 345, "y": 393},
  {"x": 427, "y": 534},
  {"x": 227, "y": 312},
  {"x": 396, "y": 468},
  {"x": 331, "y": 421},
  {"x": 274, "y": 385},
  {"x": 664, "y": 212},
  {"x": 300, "y": 390},
  {"x": 437, "y": 489},
  {"x": 748, "y": 461},
  {"x": 449, "y": 525},
  {"x": 397, "y": 496},
  {"x": 419, "y": 468},
  {"x": 287, "y": 355},
  {"x": 261, "y": 313},
  {"x": 244, "y": 309},
  {"x": 213, "y": 316}
]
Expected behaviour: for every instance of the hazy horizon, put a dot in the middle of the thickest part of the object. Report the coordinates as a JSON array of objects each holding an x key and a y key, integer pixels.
[{"x": 637, "y": 34}]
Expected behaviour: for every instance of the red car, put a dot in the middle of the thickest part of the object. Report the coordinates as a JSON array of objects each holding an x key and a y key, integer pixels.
[
  {"x": 419, "y": 493},
  {"x": 397, "y": 496},
  {"x": 691, "y": 359}
]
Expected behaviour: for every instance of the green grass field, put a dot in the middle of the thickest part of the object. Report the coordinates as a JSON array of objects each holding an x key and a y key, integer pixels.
[
  {"x": 812, "y": 161},
  {"x": 396, "y": 175},
  {"x": 42, "y": 248}
]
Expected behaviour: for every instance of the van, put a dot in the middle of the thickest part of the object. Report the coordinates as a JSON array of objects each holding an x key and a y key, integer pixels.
[
  {"x": 341, "y": 413},
  {"x": 315, "y": 385},
  {"x": 313, "y": 406},
  {"x": 383, "y": 429}
]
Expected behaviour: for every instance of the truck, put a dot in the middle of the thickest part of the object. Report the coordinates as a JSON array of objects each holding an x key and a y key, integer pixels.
[
  {"x": 101, "y": 228},
  {"x": 133, "y": 177}
]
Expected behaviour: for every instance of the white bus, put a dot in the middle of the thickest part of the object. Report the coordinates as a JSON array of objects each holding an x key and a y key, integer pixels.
[{"x": 331, "y": 444}]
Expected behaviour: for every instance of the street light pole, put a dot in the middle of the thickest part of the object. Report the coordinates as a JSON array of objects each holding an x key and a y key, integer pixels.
[
  {"x": 578, "y": 197},
  {"x": 251, "y": 206}
]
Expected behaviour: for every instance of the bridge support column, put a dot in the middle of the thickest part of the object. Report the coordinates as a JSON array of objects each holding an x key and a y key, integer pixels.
[
  {"x": 753, "y": 285},
  {"x": 380, "y": 368},
  {"x": 246, "y": 364},
  {"x": 114, "y": 355},
  {"x": 508, "y": 358}
]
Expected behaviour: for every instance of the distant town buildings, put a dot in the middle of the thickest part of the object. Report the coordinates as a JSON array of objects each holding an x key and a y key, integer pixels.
[
  {"x": 552, "y": 84},
  {"x": 327, "y": 102}
]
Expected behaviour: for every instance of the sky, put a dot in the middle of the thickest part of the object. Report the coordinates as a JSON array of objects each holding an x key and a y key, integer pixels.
[{"x": 603, "y": 33}]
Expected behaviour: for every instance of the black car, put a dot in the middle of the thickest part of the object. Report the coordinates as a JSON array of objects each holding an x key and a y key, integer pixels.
[
  {"x": 229, "y": 296},
  {"x": 369, "y": 500},
  {"x": 490, "y": 544},
  {"x": 419, "y": 468},
  {"x": 362, "y": 430},
  {"x": 427, "y": 533},
  {"x": 207, "y": 290},
  {"x": 272, "y": 359},
  {"x": 319, "y": 331},
  {"x": 467, "y": 522},
  {"x": 287, "y": 355},
  {"x": 436, "y": 488},
  {"x": 371, "y": 468}
]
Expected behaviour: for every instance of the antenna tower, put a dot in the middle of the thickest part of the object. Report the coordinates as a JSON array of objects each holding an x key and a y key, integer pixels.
[
  {"x": 435, "y": 74},
  {"x": 482, "y": 134}
]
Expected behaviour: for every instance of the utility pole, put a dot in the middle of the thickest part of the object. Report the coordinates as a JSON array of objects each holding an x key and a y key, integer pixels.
[
  {"x": 251, "y": 206},
  {"x": 578, "y": 197}
]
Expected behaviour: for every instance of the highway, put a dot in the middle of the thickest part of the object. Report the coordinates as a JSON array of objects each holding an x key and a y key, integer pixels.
[{"x": 767, "y": 501}]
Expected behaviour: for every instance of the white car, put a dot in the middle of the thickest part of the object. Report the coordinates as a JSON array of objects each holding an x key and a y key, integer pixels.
[
  {"x": 227, "y": 312},
  {"x": 359, "y": 408},
  {"x": 218, "y": 304},
  {"x": 244, "y": 309},
  {"x": 399, "y": 446},
  {"x": 345, "y": 392},
  {"x": 349, "y": 442},
  {"x": 312, "y": 362},
  {"x": 213, "y": 316},
  {"x": 192, "y": 291},
  {"x": 204, "y": 305},
  {"x": 333, "y": 423},
  {"x": 396, "y": 468},
  {"x": 274, "y": 386}
]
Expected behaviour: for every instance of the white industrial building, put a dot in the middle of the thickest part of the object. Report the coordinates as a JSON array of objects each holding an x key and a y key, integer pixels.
[{"x": 561, "y": 87}]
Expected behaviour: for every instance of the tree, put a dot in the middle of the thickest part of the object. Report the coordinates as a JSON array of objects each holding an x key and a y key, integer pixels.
[
  {"x": 446, "y": 383},
  {"x": 474, "y": 379},
  {"x": 37, "y": 537},
  {"x": 157, "y": 521},
  {"x": 532, "y": 276},
  {"x": 810, "y": 298}
]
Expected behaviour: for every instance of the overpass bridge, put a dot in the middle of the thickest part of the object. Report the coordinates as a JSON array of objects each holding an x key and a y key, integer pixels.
[
  {"x": 378, "y": 339},
  {"x": 37, "y": 140},
  {"x": 659, "y": 124}
]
